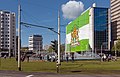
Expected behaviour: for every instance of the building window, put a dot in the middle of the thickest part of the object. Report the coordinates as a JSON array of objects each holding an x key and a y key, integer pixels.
[
  {"x": 2, "y": 21},
  {"x": 2, "y": 14},
  {"x": 2, "y": 38}
]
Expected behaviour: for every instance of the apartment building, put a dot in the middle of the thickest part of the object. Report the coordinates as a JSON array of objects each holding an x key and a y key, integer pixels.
[
  {"x": 35, "y": 43},
  {"x": 7, "y": 32}
]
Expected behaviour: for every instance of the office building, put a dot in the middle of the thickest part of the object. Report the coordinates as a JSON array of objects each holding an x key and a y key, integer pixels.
[
  {"x": 90, "y": 31},
  {"x": 35, "y": 43},
  {"x": 115, "y": 20},
  {"x": 8, "y": 32}
]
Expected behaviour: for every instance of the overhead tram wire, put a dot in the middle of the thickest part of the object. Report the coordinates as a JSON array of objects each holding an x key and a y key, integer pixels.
[
  {"x": 24, "y": 18},
  {"x": 24, "y": 13},
  {"x": 34, "y": 26},
  {"x": 52, "y": 29},
  {"x": 35, "y": 18},
  {"x": 32, "y": 17}
]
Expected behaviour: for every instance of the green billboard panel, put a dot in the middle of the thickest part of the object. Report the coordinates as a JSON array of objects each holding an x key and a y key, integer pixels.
[{"x": 77, "y": 33}]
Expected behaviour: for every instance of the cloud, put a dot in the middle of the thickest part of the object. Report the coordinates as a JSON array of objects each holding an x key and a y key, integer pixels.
[{"x": 72, "y": 9}]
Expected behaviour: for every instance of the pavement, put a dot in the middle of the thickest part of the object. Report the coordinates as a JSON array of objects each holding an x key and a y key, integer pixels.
[{"x": 43, "y": 74}]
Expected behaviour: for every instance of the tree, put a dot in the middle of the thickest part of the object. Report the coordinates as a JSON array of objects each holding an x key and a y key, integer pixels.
[
  {"x": 50, "y": 49},
  {"x": 117, "y": 46},
  {"x": 62, "y": 47}
]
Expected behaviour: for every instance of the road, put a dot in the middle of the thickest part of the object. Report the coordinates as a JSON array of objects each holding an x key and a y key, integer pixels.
[{"x": 40, "y": 74}]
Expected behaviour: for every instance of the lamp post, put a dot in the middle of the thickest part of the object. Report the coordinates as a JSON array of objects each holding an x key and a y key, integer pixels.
[
  {"x": 115, "y": 49},
  {"x": 58, "y": 63},
  {"x": 39, "y": 47},
  {"x": 19, "y": 36},
  {"x": 101, "y": 53}
]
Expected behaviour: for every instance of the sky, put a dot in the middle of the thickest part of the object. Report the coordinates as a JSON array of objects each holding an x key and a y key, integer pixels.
[{"x": 45, "y": 13}]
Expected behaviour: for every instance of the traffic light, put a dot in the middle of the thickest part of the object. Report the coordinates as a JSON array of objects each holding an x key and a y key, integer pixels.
[{"x": 54, "y": 45}]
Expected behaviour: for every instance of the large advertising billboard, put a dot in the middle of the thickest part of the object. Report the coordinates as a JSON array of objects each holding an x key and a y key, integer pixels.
[{"x": 78, "y": 34}]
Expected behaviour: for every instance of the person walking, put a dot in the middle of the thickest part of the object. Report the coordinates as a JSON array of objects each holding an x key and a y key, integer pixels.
[
  {"x": 67, "y": 57},
  {"x": 72, "y": 56}
]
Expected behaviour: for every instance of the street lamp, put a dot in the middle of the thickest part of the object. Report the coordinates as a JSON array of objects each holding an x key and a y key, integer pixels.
[
  {"x": 115, "y": 42},
  {"x": 58, "y": 63},
  {"x": 19, "y": 36},
  {"x": 101, "y": 52}
]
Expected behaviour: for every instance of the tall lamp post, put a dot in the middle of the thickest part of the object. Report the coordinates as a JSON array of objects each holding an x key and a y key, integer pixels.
[
  {"x": 19, "y": 36},
  {"x": 58, "y": 63}
]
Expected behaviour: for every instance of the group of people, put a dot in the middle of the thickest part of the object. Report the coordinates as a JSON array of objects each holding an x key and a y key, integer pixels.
[
  {"x": 72, "y": 57},
  {"x": 107, "y": 57}
]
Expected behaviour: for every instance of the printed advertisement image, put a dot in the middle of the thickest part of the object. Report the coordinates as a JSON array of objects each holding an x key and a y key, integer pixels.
[{"x": 79, "y": 34}]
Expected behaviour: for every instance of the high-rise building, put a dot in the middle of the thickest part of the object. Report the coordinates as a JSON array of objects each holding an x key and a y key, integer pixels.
[
  {"x": 7, "y": 32},
  {"x": 90, "y": 31},
  {"x": 35, "y": 43},
  {"x": 115, "y": 20}
]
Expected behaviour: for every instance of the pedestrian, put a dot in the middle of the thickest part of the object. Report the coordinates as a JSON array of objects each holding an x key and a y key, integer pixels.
[
  {"x": 67, "y": 57},
  {"x": 16, "y": 58},
  {"x": 28, "y": 58},
  {"x": 104, "y": 57},
  {"x": 72, "y": 56},
  {"x": 40, "y": 57},
  {"x": 109, "y": 57},
  {"x": 48, "y": 59}
]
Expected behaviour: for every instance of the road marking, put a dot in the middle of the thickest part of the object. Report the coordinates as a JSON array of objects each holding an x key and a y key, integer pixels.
[{"x": 29, "y": 75}]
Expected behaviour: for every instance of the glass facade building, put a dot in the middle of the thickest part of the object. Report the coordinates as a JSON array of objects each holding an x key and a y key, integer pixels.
[{"x": 101, "y": 28}]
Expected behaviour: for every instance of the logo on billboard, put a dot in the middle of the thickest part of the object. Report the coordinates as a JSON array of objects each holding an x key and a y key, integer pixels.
[{"x": 75, "y": 37}]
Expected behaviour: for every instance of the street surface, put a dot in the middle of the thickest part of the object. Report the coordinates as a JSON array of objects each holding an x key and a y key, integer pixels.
[{"x": 40, "y": 74}]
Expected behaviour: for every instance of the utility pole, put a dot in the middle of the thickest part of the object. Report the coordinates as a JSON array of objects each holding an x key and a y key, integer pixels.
[
  {"x": 19, "y": 36},
  {"x": 39, "y": 47},
  {"x": 58, "y": 63},
  {"x": 101, "y": 53}
]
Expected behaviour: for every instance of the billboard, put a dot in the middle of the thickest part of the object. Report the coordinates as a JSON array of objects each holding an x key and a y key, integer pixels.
[{"x": 79, "y": 33}]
